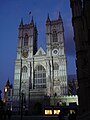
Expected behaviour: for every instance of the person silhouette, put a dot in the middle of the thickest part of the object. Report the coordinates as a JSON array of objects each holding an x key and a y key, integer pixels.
[
  {"x": 9, "y": 114},
  {"x": 60, "y": 116}
]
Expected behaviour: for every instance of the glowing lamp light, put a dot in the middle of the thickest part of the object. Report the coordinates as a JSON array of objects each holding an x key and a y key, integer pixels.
[
  {"x": 56, "y": 112},
  {"x": 48, "y": 112},
  {"x": 5, "y": 89}
]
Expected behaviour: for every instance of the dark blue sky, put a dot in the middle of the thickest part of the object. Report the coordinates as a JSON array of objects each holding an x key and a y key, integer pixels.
[{"x": 11, "y": 12}]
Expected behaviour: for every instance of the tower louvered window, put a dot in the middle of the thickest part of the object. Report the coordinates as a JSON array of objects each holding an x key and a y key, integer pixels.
[
  {"x": 26, "y": 40},
  {"x": 55, "y": 36}
]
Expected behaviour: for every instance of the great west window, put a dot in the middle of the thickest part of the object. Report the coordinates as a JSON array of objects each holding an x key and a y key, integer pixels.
[{"x": 40, "y": 77}]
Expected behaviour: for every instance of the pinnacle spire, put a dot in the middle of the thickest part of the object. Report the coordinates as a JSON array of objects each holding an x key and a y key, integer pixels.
[
  {"x": 21, "y": 23},
  {"x": 35, "y": 27},
  {"x": 59, "y": 17},
  {"x": 48, "y": 18},
  {"x": 8, "y": 82},
  {"x": 32, "y": 21}
]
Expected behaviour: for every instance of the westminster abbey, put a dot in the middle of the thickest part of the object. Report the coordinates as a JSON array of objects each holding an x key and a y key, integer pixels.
[{"x": 40, "y": 75}]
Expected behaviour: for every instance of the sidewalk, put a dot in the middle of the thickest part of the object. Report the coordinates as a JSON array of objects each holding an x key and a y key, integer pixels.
[{"x": 34, "y": 118}]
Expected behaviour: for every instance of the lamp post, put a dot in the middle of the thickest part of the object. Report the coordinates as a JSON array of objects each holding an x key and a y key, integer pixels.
[
  {"x": 55, "y": 94},
  {"x": 30, "y": 87},
  {"x": 22, "y": 106},
  {"x": 20, "y": 87}
]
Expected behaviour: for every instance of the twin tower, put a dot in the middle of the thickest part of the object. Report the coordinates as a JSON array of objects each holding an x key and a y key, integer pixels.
[{"x": 40, "y": 73}]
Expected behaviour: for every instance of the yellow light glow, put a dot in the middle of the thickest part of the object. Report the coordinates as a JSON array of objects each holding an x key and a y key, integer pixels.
[
  {"x": 5, "y": 89},
  {"x": 56, "y": 112},
  {"x": 48, "y": 112},
  {"x": 72, "y": 111}
]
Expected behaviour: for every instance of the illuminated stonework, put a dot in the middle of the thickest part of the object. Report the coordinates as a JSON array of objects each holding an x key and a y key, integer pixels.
[{"x": 39, "y": 74}]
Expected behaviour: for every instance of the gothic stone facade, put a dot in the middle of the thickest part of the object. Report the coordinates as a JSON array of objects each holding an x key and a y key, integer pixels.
[{"x": 39, "y": 74}]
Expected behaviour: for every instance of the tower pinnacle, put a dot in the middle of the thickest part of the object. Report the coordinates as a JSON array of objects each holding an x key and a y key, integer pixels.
[
  {"x": 32, "y": 21},
  {"x": 35, "y": 27},
  {"x": 21, "y": 23},
  {"x": 48, "y": 19},
  {"x": 59, "y": 17}
]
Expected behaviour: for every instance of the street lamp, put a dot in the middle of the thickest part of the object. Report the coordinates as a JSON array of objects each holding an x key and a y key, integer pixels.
[
  {"x": 6, "y": 89},
  {"x": 55, "y": 94},
  {"x": 22, "y": 104},
  {"x": 20, "y": 87}
]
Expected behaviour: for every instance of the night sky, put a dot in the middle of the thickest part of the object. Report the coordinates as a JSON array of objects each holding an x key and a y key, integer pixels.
[{"x": 11, "y": 12}]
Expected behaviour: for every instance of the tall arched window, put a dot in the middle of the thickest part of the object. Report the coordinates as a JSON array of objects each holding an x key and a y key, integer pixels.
[
  {"x": 56, "y": 66},
  {"x": 54, "y": 36},
  {"x": 40, "y": 77},
  {"x": 24, "y": 69},
  {"x": 26, "y": 40},
  {"x": 24, "y": 72}
]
